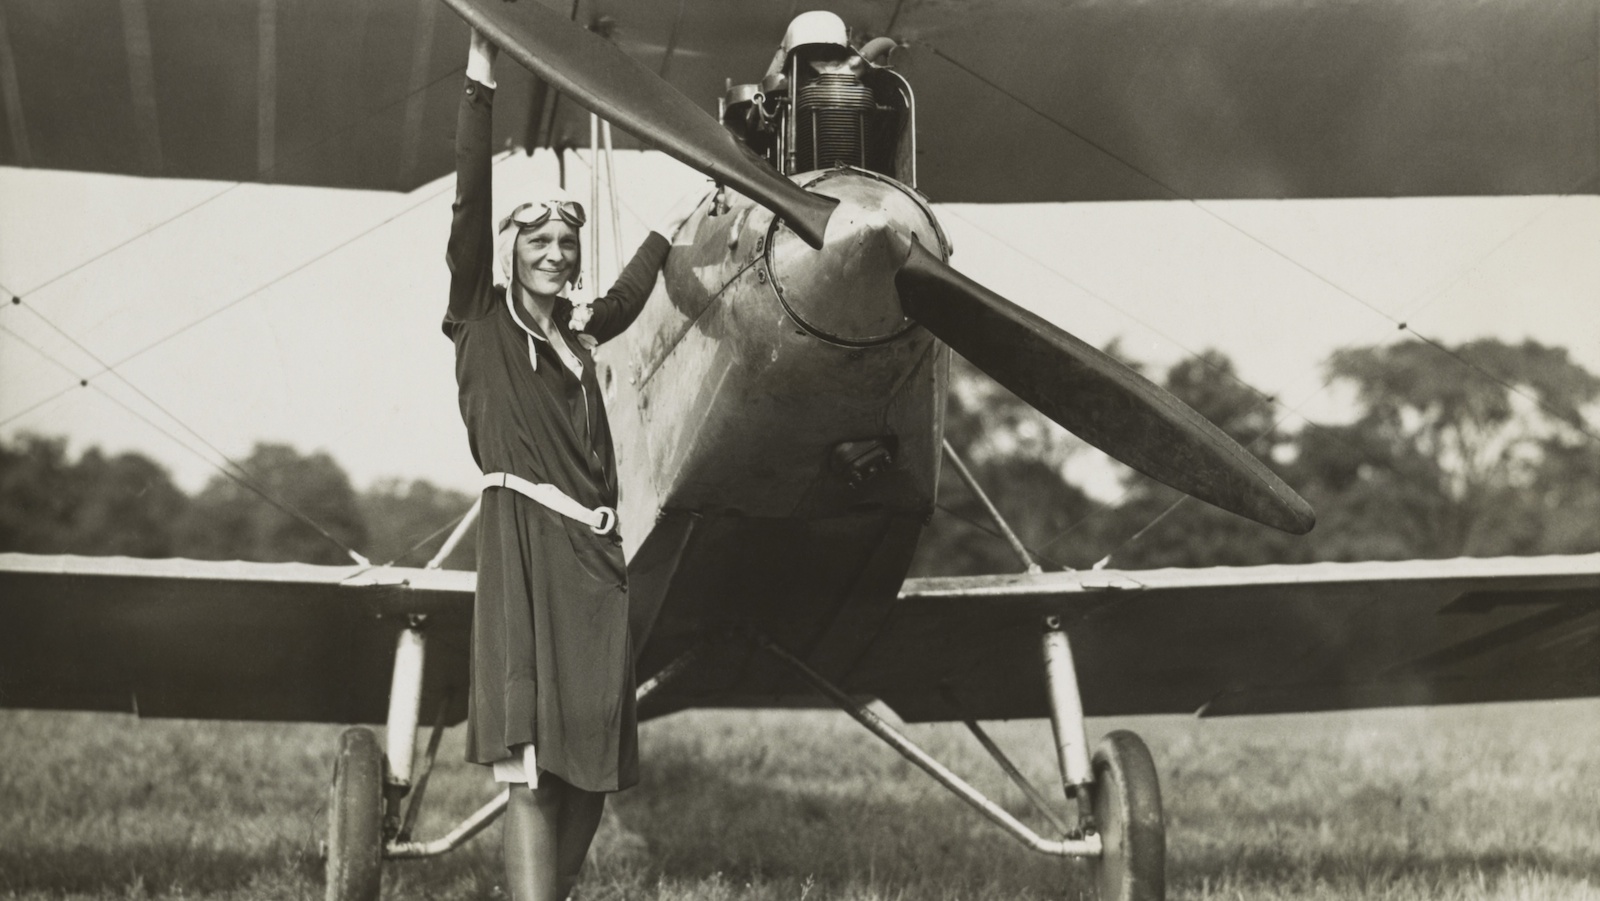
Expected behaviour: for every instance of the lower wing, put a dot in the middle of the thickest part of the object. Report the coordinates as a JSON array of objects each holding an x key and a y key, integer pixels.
[
  {"x": 284, "y": 641},
  {"x": 1239, "y": 640},
  {"x": 225, "y": 640}
]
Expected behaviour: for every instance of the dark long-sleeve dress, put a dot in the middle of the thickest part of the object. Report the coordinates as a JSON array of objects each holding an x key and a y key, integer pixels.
[{"x": 552, "y": 661}]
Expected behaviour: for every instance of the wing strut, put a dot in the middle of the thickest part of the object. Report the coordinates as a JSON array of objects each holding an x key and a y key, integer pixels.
[
  {"x": 401, "y": 847},
  {"x": 1034, "y": 796},
  {"x": 1017, "y": 547},
  {"x": 1077, "y": 844}
]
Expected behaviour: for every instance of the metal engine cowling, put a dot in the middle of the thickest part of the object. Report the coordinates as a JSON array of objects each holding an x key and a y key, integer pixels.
[{"x": 845, "y": 293}]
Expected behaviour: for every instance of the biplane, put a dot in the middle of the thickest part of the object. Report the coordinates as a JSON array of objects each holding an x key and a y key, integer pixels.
[{"x": 779, "y": 406}]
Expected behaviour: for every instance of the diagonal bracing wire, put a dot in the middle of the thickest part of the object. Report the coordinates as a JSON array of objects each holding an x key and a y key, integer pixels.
[
  {"x": 1402, "y": 325},
  {"x": 79, "y": 382},
  {"x": 240, "y": 474},
  {"x": 1178, "y": 195},
  {"x": 16, "y": 298},
  {"x": 1425, "y": 301},
  {"x": 1175, "y": 194},
  {"x": 994, "y": 533},
  {"x": 304, "y": 264},
  {"x": 241, "y": 477},
  {"x": 1291, "y": 410},
  {"x": 293, "y": 157}
]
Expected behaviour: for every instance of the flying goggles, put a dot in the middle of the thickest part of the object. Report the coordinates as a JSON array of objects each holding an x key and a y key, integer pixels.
[{"x": 533, "y": 215}]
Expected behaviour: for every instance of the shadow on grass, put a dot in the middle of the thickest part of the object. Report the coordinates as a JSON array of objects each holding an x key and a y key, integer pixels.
[{"x": 699, "y": 820}]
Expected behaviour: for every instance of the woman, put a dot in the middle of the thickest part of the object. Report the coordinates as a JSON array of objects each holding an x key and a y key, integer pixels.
[{"x": 551, "y": 707}]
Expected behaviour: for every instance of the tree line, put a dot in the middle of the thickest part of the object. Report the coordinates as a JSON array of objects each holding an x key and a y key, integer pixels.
[
  {"x": 1483, "y": 449},
  {"x": 127, "y": 504}
]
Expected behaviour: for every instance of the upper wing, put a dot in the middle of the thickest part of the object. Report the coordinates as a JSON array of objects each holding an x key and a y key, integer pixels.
[
  {"x": 1044, "y": 100},
  {"x": 344, "y": 93},
  {"x": 209, "y": 640},
  {"x": 1017, "y": 100},
  {"x": 1266, "y": 639}
]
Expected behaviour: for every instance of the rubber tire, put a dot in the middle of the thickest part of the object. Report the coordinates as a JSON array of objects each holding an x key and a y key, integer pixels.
[
  {"x": 355, "y": 819},
  {"x": 1127, "y": 809}
]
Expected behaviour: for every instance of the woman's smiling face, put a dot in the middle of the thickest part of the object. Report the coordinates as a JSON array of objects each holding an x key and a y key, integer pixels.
[{"x": 547, "y": 257}]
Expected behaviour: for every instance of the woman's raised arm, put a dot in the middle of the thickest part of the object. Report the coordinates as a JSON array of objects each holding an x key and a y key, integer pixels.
[{"x": 470, "y": 253}]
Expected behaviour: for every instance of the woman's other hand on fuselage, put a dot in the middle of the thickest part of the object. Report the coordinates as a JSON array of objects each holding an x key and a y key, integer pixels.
[{"x": 680, "y": 211}]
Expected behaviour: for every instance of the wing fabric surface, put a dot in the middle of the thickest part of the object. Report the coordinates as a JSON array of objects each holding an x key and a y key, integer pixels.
[
  {"x": 1018, "y": 100},
  {"x": 210, "y": 640},
  {"x": 1029, "y": 101},
  {"x": 182, "y": 638},
  {"x": 1266, "y": 639}
]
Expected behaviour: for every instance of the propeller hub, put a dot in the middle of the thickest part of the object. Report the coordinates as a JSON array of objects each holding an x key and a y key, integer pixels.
[{"x": 845, "y": 292}]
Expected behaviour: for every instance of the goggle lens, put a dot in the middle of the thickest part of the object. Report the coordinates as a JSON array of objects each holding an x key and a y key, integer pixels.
[{"x": 533, "y": 215}]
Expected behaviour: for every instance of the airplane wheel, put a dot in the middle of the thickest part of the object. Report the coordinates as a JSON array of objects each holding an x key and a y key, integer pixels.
[
  {"x": 355, "y": 819},
  {"x": 1127, "y": 808}
]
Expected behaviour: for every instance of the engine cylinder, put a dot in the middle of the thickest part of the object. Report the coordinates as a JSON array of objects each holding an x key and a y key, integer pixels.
[{"x": 834, "y": 114}]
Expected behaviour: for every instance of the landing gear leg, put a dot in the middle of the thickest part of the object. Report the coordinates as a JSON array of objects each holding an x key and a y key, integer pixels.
[
  {"x": 1117, "y": 793},
  {"x": 400, "y": 731}
]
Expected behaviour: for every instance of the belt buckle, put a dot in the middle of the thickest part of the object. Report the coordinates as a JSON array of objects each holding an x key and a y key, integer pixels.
[{"x": 608, "y": 521}]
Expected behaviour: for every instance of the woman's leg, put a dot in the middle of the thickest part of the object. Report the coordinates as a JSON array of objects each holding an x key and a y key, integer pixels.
[
  {"x": 530, "y": 841},
  {"x": 579, "y": 818}
]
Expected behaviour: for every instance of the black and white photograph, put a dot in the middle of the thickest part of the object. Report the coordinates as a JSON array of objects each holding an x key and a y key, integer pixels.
[{"x": 729, "y": 450}]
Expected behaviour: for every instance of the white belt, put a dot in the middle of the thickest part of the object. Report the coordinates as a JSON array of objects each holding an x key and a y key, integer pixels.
[{"x": 600, "y": 520}]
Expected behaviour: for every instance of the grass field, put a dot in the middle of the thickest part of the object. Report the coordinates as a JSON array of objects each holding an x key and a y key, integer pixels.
[{"x": 1495, "y": 802}]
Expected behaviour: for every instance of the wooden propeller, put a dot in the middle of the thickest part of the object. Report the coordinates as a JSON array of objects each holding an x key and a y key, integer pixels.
[
  {"x": 1094, "y": 396},
  {"x": 604, "y": 80}
]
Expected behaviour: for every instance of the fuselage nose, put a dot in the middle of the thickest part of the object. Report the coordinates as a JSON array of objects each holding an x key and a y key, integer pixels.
[{"x": 845, "y": 292}]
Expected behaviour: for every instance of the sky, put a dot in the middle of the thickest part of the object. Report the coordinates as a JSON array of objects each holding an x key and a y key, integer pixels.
[{"x": 237, "y": 313}]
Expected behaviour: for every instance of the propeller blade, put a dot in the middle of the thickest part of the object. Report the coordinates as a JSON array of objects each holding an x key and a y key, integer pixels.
[
  {"x": 599, "y": 76},
  {"x": 1095, "y": 397}
]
